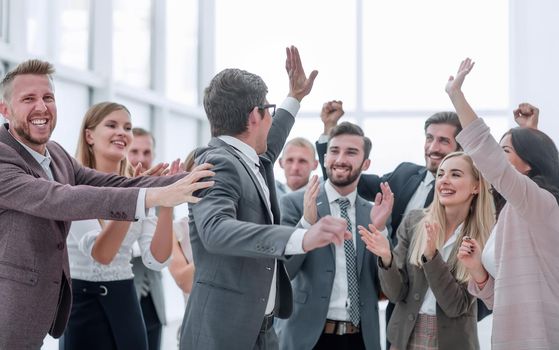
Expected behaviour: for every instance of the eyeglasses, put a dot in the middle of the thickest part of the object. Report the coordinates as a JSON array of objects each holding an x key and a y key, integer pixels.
[{"x": 264, "y": 107}]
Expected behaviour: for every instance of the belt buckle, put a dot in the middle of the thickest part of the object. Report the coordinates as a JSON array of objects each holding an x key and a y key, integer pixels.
[{"x": 341, "y": 328}]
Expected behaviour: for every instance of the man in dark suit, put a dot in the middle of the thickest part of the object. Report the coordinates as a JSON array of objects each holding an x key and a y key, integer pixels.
[
  {"x": 149, "y": 286},
  {"x": 240, "y": 283},
  {"x": 44, "y": 189},
  {"x": 412, "y": 184},
  {"x": 336, "y": 287}
]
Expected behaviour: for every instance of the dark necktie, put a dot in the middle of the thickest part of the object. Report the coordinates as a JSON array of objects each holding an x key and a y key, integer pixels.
[
  {"x": 351, "y": 266},
  {"x": 430, "y": 195}
]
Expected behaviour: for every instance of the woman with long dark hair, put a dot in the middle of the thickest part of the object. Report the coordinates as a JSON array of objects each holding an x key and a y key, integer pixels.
[{"x": 517, "y": 274}]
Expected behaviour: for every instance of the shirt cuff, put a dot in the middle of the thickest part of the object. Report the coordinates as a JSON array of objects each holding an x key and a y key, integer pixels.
[
  {"x": 385, "y": 232},
  {"x": 323, "y": 138},
  {"x": 141, "y": 210},
  {"x": 304, "y": 224},
  {"x": 291, "y": 105},
  {"x": 152, "y": 264},
  {"x": 295, "y": 242}
]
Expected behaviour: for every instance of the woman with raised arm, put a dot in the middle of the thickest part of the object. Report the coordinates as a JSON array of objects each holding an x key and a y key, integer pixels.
[
  {"x": 106, "y": 313},
  {"x": 518, "y": 273},
  {"x": 422, "y": 275}
]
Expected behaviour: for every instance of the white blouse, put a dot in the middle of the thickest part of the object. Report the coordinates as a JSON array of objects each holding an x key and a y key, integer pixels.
[
  {"x": 488, "y": 255},
  {"x": 180, "y": 227},
  {"x": 82, "y": 237}
]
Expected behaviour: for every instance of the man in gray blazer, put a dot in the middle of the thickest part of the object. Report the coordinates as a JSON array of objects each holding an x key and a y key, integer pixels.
[
  {"x": 44, "y": 189},
  {"x": 336, "y": 287},
  {"x": 240, "y": 283}
]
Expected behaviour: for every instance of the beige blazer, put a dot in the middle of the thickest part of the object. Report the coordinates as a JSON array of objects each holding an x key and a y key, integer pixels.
[{"x": 405, "y": 285}]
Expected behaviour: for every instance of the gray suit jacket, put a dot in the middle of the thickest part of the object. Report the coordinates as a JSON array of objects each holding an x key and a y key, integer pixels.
[
  {"x": 35, "y": 216},
  {"x": 234, "y": 244},
  {"x": 312, "y": 277},
  {"x": 141, "y": 273},
  {"x": 405, "y": 285}
]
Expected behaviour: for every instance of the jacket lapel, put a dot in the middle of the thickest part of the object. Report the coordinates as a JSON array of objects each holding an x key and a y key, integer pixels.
[
  {"x": 323, "y": 207},
  {"x": 29, "y": 160},
  {"x": 216, "y": 142},
  {"x": 362, "y": 218}
]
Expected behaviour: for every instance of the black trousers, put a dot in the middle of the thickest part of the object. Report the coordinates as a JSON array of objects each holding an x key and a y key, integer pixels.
[
  {"x": 153, "y": 325},
  {"x": 340, "y": 342},
  {"x": 105, "y": 315}
]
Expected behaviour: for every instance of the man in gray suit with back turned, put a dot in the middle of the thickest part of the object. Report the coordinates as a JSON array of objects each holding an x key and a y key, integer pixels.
[
  {"x": 42, "y": 190},
  {"x": 336, "y": 287},
  {"x": 240, "y": 283}
]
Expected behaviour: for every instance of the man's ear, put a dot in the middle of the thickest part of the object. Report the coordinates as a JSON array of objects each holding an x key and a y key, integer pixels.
[
  {"x": 366, "y": 164},
  {"x": 4, "y": 110},
  {"x": 280, "y": 161},
  {"x": 314, "y": 164}
]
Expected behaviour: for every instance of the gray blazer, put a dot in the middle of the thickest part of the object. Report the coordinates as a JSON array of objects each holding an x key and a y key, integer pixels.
[
  {"x": 312, "y": 277},
  {"x": 234, "y": 245},
  {"x": 141, "y": 272},
  {"x": 35, "y": 216},
  {"x": 405, "y": 285}
]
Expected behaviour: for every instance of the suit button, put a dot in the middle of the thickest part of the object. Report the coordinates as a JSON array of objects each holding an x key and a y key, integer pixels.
[
  {"x": 263, "y": 300},
  {"x": 60, "y": 246},
  {"x": 272, "y": 249},
  {"x": 410, "y": 317},
  {"x": 416, "y": 296},
  {"x": 268, "y": 268}
]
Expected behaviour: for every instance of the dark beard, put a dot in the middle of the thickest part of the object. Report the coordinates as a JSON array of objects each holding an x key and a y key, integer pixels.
[{"x": 353, "y": 175}]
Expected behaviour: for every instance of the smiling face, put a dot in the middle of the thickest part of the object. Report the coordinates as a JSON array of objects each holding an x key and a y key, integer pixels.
[
  {"x": 345, "y": 160},
  {"x": 456, "y": 183},
  {"x": 31, "y": 110},
  {"x": 512, "y": 156},
  {"x": 112, "y": 137},
  {"x": 439, "y": 141}
]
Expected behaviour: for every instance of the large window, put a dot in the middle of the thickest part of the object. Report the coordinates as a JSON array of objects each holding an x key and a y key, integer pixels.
[
  {"x": 387, "y": 61},
  {"x": 74, "y": 33},
  {"x": 4, "y": 21},
  {"x": 132, "y": 23}
]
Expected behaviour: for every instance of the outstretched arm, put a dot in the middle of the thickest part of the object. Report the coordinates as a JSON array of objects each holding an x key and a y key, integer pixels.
[{"x": 454, "y": 90}]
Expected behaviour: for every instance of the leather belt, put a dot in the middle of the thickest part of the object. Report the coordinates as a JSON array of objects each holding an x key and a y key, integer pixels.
[
  {"x": 340, "y": 327},
  {"x": 267, "y": 323}
]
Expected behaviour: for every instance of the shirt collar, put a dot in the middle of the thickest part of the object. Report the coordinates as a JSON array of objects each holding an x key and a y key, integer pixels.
[
  {"x": 36, "y": 155},
  {"x": 428, "y": 178},
  {"x": 453, "y": 237},
  {"x": 242, "y": 147},
  {"x": 333, "y": 195}
]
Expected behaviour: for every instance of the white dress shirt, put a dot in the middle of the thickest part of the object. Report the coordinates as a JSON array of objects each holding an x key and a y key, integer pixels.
[
  {"x": 338, "y": 308},
  {"x": 417, "y": 201},
  {"x": 82, "y": 237},
  {"x": 429, "y": 306},
  {"x": 249, "y": 156}
]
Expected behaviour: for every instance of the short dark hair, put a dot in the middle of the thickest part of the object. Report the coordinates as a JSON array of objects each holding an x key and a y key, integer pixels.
[
  {"x": 450, "y": 118},
  {"x": 347, "y": 128},
  {"x": 229, "y": 99}
]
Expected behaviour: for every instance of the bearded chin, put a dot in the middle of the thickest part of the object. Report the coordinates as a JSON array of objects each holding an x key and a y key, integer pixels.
[{"x": 345, "y": 181}]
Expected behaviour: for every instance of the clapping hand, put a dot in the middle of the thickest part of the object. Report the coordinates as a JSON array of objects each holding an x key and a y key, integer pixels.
[
  {"x": 432, "y": 229},
  {"x": 310, "y": 211},
  {"x": 376, "y": 243},
  {"x": 384, "y": 201}
]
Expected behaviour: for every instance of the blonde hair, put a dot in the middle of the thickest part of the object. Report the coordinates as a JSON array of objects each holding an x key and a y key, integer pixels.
[
  {"x": 477, "y": 225},
  {"x": 93, "y": 117},
  {"x": 34, "y": 66}
]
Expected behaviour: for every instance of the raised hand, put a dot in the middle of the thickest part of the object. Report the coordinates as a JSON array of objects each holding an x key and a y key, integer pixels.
[
  {"x": 310, "y": 211},
  {"x": 327, "y": 230},
  {"x": 331, "y": 112},
  {"x": 381, "y": 211},
  {"x": 432, "y": 229},
  {"x": 174, "y": 168},
  {"x": 376, "y": 243},
  {"x": 299, "y": 85},
  {"x": 454, "y": 84},
  {"x": 526, "y": 116}
]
